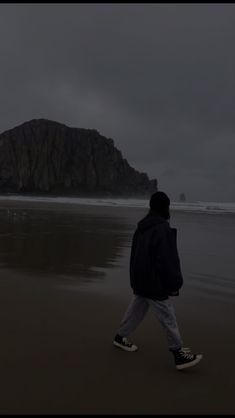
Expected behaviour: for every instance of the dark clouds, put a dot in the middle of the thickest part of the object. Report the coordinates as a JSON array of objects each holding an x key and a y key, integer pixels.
[{"x": 157, "y": 78}]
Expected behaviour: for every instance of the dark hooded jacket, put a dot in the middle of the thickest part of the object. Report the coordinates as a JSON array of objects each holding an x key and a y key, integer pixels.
[{"x": 154, "y": 263}]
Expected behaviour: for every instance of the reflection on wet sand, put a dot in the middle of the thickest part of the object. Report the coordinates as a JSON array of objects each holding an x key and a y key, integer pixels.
[{"x": 62, "y": 243}]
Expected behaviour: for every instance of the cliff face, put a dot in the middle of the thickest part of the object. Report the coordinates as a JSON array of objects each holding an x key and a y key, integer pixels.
[{"x": 45, "y": 156}]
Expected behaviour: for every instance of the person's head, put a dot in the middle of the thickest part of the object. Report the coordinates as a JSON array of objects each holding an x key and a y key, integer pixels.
[{"x": 160, "y": 204}]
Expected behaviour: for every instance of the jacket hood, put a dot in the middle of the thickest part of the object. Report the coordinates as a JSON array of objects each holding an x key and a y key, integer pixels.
[{"x": 150, "y": 221}]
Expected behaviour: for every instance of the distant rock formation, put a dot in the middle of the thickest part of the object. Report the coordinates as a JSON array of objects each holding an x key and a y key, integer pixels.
[
  {"x": 42, "y": 156},
  {"x": 182, "y": 197}
]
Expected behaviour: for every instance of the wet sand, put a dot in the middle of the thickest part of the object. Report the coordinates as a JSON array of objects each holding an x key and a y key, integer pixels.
[{"x": 57, "y": 355}]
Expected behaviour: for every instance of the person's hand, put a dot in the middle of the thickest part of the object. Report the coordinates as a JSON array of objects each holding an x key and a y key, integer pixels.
[{"x": 176, "y": 293}]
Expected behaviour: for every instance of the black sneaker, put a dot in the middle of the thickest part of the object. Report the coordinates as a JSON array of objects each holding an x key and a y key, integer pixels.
[
  {"x": 186, "y": 349},
  {"x": 184, "y": 359},
  {"x": 122, "y": 342}
]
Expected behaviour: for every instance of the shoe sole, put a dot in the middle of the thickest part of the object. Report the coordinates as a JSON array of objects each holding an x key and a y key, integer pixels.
[
  {"x": 125, "y": 348},
  {"x": 191, "y": 363}
]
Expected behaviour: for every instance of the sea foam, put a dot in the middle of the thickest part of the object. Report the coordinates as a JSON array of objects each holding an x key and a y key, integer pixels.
[{"x": 203, "y": 207}]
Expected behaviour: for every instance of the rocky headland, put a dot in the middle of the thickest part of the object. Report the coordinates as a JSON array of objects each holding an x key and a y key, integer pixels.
[{"x": 43, "y": 156}]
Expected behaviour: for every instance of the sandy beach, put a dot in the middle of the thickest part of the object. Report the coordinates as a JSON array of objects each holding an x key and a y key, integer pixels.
[{"x": 56, "y": 346}]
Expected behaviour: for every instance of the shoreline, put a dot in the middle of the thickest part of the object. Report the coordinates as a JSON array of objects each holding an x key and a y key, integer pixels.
[
  {"x": 56, "y": 338},
  {"x": 120, "y": 202}
]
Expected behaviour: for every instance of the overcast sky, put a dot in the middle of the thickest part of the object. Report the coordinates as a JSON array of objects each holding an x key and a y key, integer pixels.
[{"x": 159, "y": 79}]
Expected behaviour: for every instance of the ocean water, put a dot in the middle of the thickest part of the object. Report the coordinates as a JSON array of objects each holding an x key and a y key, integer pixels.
[
  {"x": 202, "y": 207},
  {"x": 84, "y": 244}
]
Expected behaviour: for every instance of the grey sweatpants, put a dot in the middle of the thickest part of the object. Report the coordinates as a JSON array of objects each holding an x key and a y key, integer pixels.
[{"x": 163, "y": 310}]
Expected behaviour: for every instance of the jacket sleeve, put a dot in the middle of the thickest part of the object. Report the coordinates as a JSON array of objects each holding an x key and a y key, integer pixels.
[
  {"x": 166, "y": 258},
  {"x": 133, "y": 252}
]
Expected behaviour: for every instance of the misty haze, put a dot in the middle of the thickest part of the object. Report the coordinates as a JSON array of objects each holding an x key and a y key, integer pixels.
[
  {"x": 103, "y": 106},
  {"x": 158, "y": 79}
]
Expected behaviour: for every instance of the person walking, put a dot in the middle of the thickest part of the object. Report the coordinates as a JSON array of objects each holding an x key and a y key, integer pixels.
[{"x": 155, "y": 275}]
